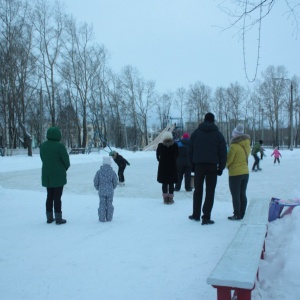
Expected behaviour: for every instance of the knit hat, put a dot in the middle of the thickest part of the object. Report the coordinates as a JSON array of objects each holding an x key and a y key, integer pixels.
[
  {"x": 261, "y": 142},
  {"x": 167, "y": 136},
  {"x": 209, "y": 117},
  {"x": 185, "y": 136},
  {"x": 106, "y": 160},
  {"x": 238, "y": 130}
]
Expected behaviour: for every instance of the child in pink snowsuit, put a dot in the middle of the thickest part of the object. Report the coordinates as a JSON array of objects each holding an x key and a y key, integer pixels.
[{"x": 276, "y": 154}]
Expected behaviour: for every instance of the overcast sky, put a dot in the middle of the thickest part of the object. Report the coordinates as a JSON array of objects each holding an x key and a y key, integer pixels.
[{"x": 177, "y": 43}]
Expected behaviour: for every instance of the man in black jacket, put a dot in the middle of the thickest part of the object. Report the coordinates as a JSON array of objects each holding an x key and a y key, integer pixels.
[{"x": 207, "y": 154}]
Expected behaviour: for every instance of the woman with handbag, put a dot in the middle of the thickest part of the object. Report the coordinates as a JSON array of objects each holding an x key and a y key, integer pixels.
[{"x": 237, "y": 164}]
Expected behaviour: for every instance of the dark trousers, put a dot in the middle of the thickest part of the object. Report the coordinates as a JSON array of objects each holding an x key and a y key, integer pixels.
[
  {"x": 186, "y": 172},
  {"x": 256, "y": 162},
  {"x": 168, "y": 188},
  {"x": 238, "y": 187},
  {"x": 54, "y": 197},
  {"x": 121, "y": 173},
  {"x": 276, "y": 159},
  {"x": 207, "y": 173}
]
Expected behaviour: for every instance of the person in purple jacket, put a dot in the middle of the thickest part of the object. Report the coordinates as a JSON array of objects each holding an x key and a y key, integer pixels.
[{"x": 105, "y": 181}]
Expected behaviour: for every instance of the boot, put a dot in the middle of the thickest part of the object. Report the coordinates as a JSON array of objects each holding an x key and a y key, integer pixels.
[
  {"x": 50, "y": 218},
  {"x": 59, "y": 219},
  {"x": 171, "y": 198},
  {"x": 166, "y": 198}
]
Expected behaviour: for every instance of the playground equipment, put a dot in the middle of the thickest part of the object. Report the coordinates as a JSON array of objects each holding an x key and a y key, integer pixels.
[{"x": 153, "y": 145}]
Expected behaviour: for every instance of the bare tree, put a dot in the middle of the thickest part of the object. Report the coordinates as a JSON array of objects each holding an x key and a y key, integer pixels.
[
  {"x": 117, "y": 114},
  {"x": 16, "y": 52},
  {"x": 139, "y": 99},
  {"x": 82, "y": 62},
  {"x": 199, "y": 96},
  {"x": 49, "y": 28},
  {"x": 221, "y": 106},
  {"x": 272, "y": 95},
  {"x": 163, "y": 107},
  {"x": 247, "y": 15},
  {"x": 236, "y": 94},
  {"x": 180, "y": 100},
  {"x": 296, "y": 90}
]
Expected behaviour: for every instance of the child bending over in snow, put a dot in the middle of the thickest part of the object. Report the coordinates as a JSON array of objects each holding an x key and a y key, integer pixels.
[
  {"x": 122, "y": 163},
  {"x": 105, "y": 181}
]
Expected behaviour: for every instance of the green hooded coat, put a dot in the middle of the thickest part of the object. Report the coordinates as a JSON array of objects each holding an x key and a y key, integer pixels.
[{"x": 55, "y": 159}]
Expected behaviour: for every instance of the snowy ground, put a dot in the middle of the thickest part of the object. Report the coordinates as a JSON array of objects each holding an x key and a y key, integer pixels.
[{"x": 149, "y": 250}]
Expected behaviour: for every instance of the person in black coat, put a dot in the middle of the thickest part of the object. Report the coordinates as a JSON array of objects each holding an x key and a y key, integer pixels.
[
  {"x": 166, "y": 154},
  {"x": 183, "y": 164},
  {"x": 122, "y": 163},
  {"x": 208, "y": 154}
]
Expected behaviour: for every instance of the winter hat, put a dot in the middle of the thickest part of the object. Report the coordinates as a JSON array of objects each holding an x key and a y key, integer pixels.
[
  {"x": 185, "y": 136},
  {"x": 209, "y": 117},
  {"x": 261, "y": 142},
  {"x": 167, "y": 136},
  {"x": 238, "y": 130},
  {"x": 106, "y": 160}
]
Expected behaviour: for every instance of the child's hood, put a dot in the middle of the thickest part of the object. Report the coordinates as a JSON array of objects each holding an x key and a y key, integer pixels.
[{"x": 105, "y": 169}]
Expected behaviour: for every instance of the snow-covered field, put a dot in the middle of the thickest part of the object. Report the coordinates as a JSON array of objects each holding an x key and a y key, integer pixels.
[{"x": 149, "y": 250}]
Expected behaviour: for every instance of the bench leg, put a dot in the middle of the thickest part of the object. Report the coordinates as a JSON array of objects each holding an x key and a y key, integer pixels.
[
  {"x": 223, "y": 292},
  {"x": 287, "y": 211},
  {"x": 243, "y": 294},
  {"x": 262, "y": 255}
]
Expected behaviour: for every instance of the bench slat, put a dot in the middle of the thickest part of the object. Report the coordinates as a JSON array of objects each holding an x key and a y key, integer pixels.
[
  {"x": 257, "y": 212},
  {"x": 239, "y": 264}
]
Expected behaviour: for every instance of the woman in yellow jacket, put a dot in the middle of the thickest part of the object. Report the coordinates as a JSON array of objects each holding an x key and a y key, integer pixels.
[{"x": 237, "y": 164}]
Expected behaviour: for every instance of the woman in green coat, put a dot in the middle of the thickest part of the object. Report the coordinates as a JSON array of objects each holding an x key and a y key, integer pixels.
[
  {"x": 55, "y": 159},
  {"x": 237, "y": 164}
]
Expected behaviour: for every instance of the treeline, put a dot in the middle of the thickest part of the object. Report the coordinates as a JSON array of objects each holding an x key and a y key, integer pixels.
[{"x": 54, "y": 73}]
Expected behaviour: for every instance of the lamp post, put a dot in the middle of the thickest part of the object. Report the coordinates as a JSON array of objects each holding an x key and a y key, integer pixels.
[
  {"x": 262, "y": 124},
  {"x": 291, "y": 120},
  {"x": 291, "y": 110}
]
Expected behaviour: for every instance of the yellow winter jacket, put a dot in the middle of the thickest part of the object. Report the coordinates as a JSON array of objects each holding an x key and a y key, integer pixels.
[{"x": 237, "y": 157}]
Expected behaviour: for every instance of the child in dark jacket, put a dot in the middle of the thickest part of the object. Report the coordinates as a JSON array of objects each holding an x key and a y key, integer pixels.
[
  {"x": 183, "y": 164},
  {"x": 105, "y": 181},
  {"x": 122, "y": 163}
]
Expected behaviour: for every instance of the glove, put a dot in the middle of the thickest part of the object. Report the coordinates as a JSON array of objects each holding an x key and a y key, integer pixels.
[
  {"x": 219, "y": 172},
  {"x": 128, "y": 164}
]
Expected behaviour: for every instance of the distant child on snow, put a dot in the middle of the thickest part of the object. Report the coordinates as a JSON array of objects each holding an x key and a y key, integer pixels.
[
  {"x": 105, "y": 181},
  {"x": 122, "y": 163},
  {"x": 276, "y": 154}
]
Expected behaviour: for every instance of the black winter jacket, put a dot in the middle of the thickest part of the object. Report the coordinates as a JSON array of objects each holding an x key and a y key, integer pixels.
[
  {"x": 120, "y": 161},
  {"x": 166, "y": 154},
  {"x": 207, "y": 145}
]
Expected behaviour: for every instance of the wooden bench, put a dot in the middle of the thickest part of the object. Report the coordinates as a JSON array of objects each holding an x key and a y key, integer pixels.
[
  {"x": 237, "y": 269},
  {"x": 257, "y": 212},
  {"x": 77, "y": 151}
]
